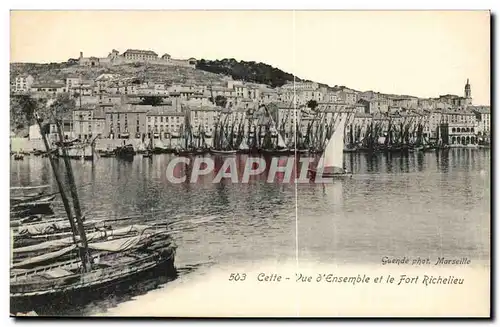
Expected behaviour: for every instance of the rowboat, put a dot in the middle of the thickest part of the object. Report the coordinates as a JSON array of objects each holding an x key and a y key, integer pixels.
[
  {"x": 26, "y": 198},
  {"x": 41, "y": 205}
]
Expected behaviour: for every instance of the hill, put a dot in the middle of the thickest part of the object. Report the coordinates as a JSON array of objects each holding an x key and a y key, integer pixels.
[
  {"x": 249, "y": 71},
  {"x": 149, "y": 72},
  {"x": 206, "y": 72}
]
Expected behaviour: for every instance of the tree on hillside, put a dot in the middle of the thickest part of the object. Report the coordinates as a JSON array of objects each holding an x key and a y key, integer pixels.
[
  {"x": 63, "y": 104},
  {"x": 220, "y": 101},
  {"x": 312, "y": 104},
  {"x": 151, "y": 100},
  {"x": 27, "y": 106},
  {"x": 22, "y": 112}
]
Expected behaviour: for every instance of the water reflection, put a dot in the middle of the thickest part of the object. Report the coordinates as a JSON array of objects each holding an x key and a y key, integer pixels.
[{"x": 427, "y": 204}]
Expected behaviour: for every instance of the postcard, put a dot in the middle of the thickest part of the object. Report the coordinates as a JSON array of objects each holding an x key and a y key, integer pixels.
[{"x": 250, "y": 163}]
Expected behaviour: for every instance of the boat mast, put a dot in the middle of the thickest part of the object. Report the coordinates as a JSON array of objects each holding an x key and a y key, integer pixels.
[
  {"x": 65, "y": 201},
  {"x": 76, "y": 203}
]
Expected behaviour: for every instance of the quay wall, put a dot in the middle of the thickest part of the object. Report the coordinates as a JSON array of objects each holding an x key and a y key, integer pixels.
[{"x": 26, "y": 145}]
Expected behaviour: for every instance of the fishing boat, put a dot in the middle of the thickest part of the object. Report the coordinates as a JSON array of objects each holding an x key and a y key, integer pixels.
[
  {"x": 29, "y": 188},
  {"x": 26, "y": 197},
  {"x": 79, "y": 151},
  {"x": 29, "y": 256},
  {"x": 223, "y": 152},
  {"x": 42, "y": 205},
  {"x": 53, "y": 277},
  {"x": 147, "y": 154},
  {"x": 331, "y": 162},
  {"x": 112, "y": 263},
  {"x": 107, "y": 154},
  {"x": 126, "y": 151},
  {"x": 18, "y": 156}
]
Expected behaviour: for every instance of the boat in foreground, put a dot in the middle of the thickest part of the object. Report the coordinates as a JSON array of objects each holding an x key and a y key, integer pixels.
[{"x": 53, "y": 272}]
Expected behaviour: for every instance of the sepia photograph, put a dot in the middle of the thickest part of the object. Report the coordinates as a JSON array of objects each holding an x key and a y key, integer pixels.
[{"x": 252, "y": 163}]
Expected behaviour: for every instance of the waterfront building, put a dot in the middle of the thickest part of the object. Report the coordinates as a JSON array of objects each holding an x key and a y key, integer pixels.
[
  {"x": 432, "y": 123},
  {"x": 87, "y": 124},
  {"x": 205, "y": 117},
  {"x": 126, "y": 121},
  {"x": 458, "y": 127},
  {"x": 164, "y": 122},
  {"x": 483, "y": 118}
]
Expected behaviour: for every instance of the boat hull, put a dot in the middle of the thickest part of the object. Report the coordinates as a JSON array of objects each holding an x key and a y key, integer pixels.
[
  {"x": 313, "y": 173},
  {"x": 85, "y": 293},
  {"x": 230, "y": 152}
]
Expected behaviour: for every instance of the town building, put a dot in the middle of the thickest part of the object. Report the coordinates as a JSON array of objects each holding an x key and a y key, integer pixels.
[
  {"x": 483, "y": 118},
  {"x": 86, "y": 124},
  {"x": 140, "y": 55},
  {"x": 164, "y": 122},
  {"x": 48, "y": 88},
  {"x": 134, "y": 56},
  {"x": 346, "y": 95},
  {"x": 126, "y": 121},
  {"x": 374, "y": 105},
  {"x": 23, "y": 83},
  {"x": 203, "y": 118},
  {"x": 458, "y": 127}
]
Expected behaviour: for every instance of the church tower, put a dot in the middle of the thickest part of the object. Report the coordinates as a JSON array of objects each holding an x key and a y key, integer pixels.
[{"x": 468, "y": 94}]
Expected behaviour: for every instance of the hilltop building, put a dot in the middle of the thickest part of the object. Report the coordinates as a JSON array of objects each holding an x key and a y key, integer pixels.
[{"x": 134, "y": 56}]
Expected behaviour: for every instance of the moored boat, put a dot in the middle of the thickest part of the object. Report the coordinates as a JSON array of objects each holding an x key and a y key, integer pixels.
[
  {"x": 331, "y": 162},
  {"x": 126, "y": 151},
  {"x": 223, "y": 152},
  {"x": 41, "y": 205}
]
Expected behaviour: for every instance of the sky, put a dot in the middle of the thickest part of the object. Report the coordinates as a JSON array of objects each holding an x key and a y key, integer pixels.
[{"x": 420, "y": 53}]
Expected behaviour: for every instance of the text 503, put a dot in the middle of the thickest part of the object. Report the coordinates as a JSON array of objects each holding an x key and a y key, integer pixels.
[{"x": 237, "y": 277}]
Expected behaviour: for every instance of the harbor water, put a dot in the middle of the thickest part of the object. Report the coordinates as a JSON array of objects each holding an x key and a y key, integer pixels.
[{"x": 420, "y": 204}]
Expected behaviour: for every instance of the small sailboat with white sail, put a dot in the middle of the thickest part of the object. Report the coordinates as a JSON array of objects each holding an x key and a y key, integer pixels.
[{"x": 331, "y": 163}]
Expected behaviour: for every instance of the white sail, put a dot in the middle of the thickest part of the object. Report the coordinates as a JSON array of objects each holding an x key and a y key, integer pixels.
[
  {"x": 244, "y": 144},
  {"x": 281, "y": 142},
  {"x": 333, "y": 154}
]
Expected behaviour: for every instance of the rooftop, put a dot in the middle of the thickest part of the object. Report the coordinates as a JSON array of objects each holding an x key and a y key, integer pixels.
[
  {"x": 137, "y": 51},
  {"x": 47, "y": 85},
  {"x": 481, "y": 109}
]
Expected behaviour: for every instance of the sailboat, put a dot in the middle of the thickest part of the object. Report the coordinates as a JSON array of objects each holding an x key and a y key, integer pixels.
[{"x": 331, "y": 163}]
